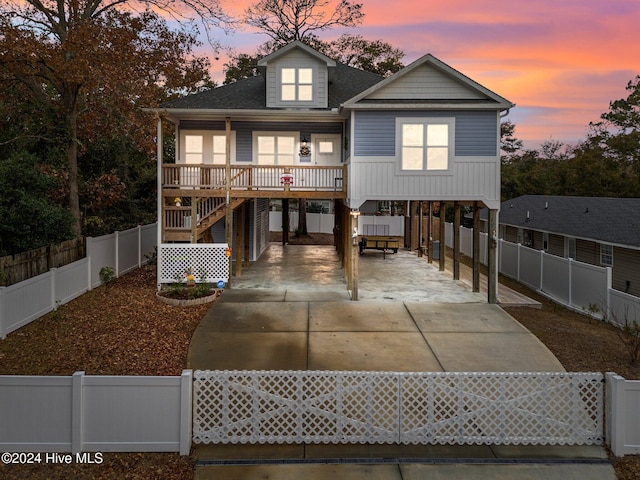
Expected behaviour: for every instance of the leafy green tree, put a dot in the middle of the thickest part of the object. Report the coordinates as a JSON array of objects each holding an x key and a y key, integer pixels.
[{"x": 31, "y": 216}]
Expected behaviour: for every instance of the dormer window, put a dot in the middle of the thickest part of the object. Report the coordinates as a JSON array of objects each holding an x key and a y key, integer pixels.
[{"x": 296, "y": 84}]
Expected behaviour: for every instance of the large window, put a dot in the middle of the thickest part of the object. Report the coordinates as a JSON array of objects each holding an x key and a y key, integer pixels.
[
  {"x": 193, "y": 149},
  {"x": 296, "y": 84},
  {"x": 424, "y": 144},
  {"x": 275, "y": 149}
]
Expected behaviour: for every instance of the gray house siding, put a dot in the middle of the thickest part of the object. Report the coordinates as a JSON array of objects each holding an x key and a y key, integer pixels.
[
  {"x": 556, "y": 245},
  {"x": 476, "y": 131},
  {"x": 587, "y": 252},
  {"x": 297, "y": 59},
  {"x": 244, "y": 131}
]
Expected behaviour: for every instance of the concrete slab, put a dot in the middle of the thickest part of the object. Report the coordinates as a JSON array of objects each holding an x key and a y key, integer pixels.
[
  {"x": 317, "y": 296},
  {"x": 447, "y": 317},
  {"x": 508, "y": 472},
  {"x": 375, "y": 451},
  {"x": 359, "y": 317},
  {"x": 248, "y": 351},
  {"x": 550, "y": 452},
  {"x": 492, "y": 352},
  {"x": 371, "y": 351},
  {"x": 233, "y": 452},
  {"x": 234, "y": 295},
  {"x": 298, "y": 472},
  {"x": 256, "y": 317}
]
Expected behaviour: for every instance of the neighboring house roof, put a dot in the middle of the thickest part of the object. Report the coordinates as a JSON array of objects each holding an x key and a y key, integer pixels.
[
  {"x": 613, "y": 221},
  {"x": 250, "y": 93}
]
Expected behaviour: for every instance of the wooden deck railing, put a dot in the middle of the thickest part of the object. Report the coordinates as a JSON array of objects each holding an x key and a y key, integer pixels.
[{"x": 251, "y": 177}]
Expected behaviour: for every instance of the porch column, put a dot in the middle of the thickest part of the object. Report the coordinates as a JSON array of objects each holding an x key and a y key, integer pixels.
[
  {"x": 228, "y": 219},
  {"x": 443, "y": 248},
  {"x": 476, "y": 247},
  {"x": 420, "y": 236},
  {"x": 354, "y": 253},
  {"x": 456, "y": 241},
  {"x": 492, "y": 257},
  {"x": 247, "y": 232},
  {"x": 239, "y": 249},
  {"x": 430, "y": 233},
  {"x": 161, "y": 222},
  {"x": 285, "y": 221}
]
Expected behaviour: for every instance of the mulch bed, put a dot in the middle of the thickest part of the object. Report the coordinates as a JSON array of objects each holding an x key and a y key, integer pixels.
[{"x": 122, "y": 329}]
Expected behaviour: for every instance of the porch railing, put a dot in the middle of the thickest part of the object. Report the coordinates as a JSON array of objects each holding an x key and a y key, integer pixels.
[{"x": 252, "y": 177}]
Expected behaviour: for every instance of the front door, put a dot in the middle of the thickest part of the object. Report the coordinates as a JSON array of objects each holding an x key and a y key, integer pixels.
[{"x": 325, "y": 150}]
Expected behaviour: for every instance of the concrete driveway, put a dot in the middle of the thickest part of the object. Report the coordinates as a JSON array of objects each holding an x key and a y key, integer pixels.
[{"x": 291, "y": 311}]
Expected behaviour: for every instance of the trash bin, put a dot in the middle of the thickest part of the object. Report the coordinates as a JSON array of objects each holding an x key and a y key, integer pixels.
[{"x": 436, "y": 249}]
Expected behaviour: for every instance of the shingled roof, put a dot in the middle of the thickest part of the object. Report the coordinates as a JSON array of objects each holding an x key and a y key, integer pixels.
[
  {"x": 250, "y": 93},
  {"x": 607, "y": 220}
]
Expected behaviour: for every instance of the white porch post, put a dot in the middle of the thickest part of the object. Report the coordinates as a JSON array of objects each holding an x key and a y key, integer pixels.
[{"x": 159, "y": 200}]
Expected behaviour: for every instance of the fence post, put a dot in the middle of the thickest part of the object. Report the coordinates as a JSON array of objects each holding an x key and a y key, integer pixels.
[
  {"x": 77, "y": 408},
  {"x": 89, "y": 248},
  {"x": 615, "y": 416},
  {"x": 186, "y": 409},
  {"x": 117, "y": 247},
  {"x": 139, "y": 246},
  {"x": 608, "y": 292},
  {"x": 518, "y": 263},
  {"x": 570, "y": 268},
  {"x": 53, "y": 273},
  {"x": 3, "y": 312},
  {"x": 540, "y": 287}
]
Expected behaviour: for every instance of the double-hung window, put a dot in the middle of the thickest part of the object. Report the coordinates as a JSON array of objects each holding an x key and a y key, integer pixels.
[
  {"x": 275, "y": 149},
  {"x": 424, "y": 144},
  {"x": 606, "y": 255},
  {"x": 296, "y": 84}
]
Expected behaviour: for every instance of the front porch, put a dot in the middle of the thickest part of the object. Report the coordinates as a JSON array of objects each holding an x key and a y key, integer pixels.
[{"x": 202, "y": 192}]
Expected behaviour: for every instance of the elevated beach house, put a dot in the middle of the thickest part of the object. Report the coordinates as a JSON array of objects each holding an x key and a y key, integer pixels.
[{"x": 310, "y": 127}]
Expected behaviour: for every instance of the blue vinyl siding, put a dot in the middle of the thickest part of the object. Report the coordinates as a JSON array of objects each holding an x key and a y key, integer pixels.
[
  {"x": 244, "y": 131},
  {"x": 476, "y": 132}
]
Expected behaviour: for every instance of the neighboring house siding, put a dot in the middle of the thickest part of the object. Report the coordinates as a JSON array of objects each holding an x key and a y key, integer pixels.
[
  {"x": 556, "y": 245},
  {"x": 426, "y": 82},
  {"x": 626, "y": 267},
  {"x": 244, "y": 131},
  {"x": 476, "y": 131},
  {"x": 538, "y": 241},
  {"x": 588, "y": 252},
  {"x": 511, "y": 235}
]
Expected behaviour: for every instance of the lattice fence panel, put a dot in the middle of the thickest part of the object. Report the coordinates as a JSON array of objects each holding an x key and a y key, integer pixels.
[
  {"x": 207, "y": 261},
  {"x": 389, "y": 407}
]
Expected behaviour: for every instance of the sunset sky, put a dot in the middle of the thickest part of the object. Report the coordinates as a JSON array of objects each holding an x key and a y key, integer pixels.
[{"x": 560, "y": 61}]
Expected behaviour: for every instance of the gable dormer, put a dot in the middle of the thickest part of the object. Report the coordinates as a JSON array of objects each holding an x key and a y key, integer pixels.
[{"x": 297, "y": 76}]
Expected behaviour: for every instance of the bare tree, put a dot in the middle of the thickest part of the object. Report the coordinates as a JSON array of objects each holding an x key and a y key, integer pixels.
[{"x": 288, "y": 20}]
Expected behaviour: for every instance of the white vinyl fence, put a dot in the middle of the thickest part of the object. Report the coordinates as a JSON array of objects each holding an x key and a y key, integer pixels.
[
  {"x": 95, "y": 414},
  {"x": 81, "y": 413},
  {"x": 24, "y": 302},
  {"x": 623, "y": 415},
  {"x": 398, "y": 407},
  {"x": 577, "y": 285}
]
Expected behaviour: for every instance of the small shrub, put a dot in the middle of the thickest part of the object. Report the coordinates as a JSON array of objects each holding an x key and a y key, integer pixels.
[
  {"x": 107, "y": 274},
  {"x": 630, "y": 337},
  {"x": 152, "y": 257}
]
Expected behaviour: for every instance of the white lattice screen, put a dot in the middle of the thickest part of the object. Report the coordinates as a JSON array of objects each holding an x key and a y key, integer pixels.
[
  {"x": 207, "y": 261},
  {"x": 388, "y": 407}
]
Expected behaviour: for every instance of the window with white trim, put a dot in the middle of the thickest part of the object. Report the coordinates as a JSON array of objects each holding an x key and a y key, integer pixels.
[
  {"x": 424, "y": 144},
  {"x": 275, "y": 149},
  {"x": 219, "y": 149},
  {"x": 193, "y": 149},
  {"x": 296, "y": 84},
  {"x": 606, "y": 255}
]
